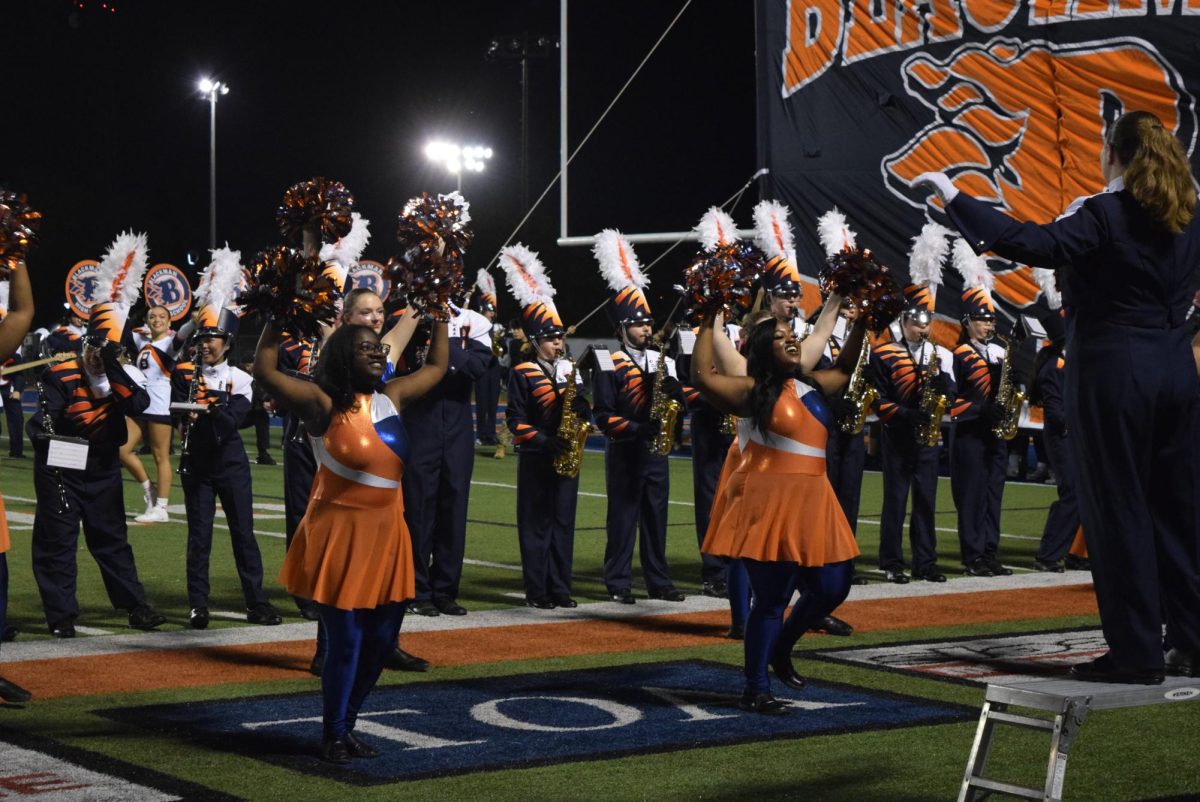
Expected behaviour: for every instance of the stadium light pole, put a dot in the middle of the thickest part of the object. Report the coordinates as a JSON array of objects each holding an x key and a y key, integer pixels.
[
  {"x": 457, "y": 159},
  {"x": 522, "y": 47},
  {"x": 212, "y": 90}
]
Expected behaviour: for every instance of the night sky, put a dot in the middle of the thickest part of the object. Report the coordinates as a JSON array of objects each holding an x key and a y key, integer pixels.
[{"x": 105, "y": 129}]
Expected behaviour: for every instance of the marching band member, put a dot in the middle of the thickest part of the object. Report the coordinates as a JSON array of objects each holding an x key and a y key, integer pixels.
[
  {"x": 487, "y": 389},
  {"x": 66, "y": 336},
  {"x": 213, "y": 462},
  {"x": 537, "y": 388},
  {"x": 13, "y": 327},
  {"x": 156, "y": 356},
  {"x": 637, "y": 481},
  {"x": 11, "y": 389},
  {"x": 351, "y": 554},
  {"x": 977, "y": 456},
  {"x": 87, "y": 398},
  {"x": 1128, "y": 257},
  {"x": 1062, "y": 521},
  {"x": 902, "y": 371}
]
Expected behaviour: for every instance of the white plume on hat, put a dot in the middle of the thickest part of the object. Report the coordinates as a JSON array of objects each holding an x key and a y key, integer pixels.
[
  {"x": 972, "y": 267},
  {"x": 527, "y": 279},
  {"x": 928, "y": 255},
  {"x": 835, "y": 235},
  {"x": 773, "y": 232},
  {"x": 4, "y": 286},
  {"x": 119, "y": 276},
  {"x": 349, "y": 249},
  {"x": 219, "y": 281},
  {"x": 716, "y": 228},
  {"x": 485, "y": 282},
  {"x": 618, "y": 263},
  {"x": 1046, "y": 279}
]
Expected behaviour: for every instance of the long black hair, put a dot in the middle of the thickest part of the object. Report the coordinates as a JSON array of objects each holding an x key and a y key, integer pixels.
[
  {"x": 768, "y": 377},
  {"x": 335, "y": 368}
]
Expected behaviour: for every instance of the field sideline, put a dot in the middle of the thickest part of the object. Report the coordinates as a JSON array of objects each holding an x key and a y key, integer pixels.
[{"x": 147, "y": 709}]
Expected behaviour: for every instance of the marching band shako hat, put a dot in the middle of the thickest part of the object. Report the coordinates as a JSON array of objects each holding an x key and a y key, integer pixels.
[
  {"x": 977, "y": 282},
  {"x": 619, "y": 266},
  {"x": 773, "y": 234},
  {"x": 920, "y": 303},
  {"x": 977, "y": 304},
  {"x": 531, "y": 287},
  {"x": 217, "y": 294},
  {"x": 118, "y": 285},
  {"x": 484, "y": 298}
]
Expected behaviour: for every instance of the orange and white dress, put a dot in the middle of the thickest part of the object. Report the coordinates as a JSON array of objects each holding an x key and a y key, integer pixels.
[
  {"x": 776, "y": 503},
  {"x": 352, "y": 548}
]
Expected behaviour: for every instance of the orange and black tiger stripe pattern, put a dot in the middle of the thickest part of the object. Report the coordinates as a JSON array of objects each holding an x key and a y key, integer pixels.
[
  {"x": 974, "y": 382},
  {"x": 899, "y": 378}
]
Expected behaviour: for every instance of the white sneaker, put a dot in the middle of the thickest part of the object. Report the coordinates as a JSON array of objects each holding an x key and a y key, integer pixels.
[
  {"x": 154, "y": 515},
  {"x": 148, "y": 497}
]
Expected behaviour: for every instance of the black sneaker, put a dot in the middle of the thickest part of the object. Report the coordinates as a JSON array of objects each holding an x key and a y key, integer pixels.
[
  {"x": 145, "y": 617},
  {"x": 198, "y": 618}
]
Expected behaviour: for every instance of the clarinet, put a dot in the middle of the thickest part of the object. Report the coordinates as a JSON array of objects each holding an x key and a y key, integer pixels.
[
  {"x": 185, "y": 449},
  {"x": 64, "y": 503}
]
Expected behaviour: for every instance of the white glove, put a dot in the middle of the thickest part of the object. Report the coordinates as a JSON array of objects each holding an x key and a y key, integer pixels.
[{"x": 939, "y": 183}]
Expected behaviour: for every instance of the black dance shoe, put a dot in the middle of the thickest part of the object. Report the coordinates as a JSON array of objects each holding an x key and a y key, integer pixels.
[
  {"x": 563, "y": 600},
  {"x": 667, "y": 594},
  {"x": 717, "y": 589},
  {"x": 264, "y": 614},
  {"x": 785, "y": 672},
  {"x": 998, "y": 568},
  {"x": 979, "y": 567},
  {"x": 10, "y": 634},
  {"x": 358, "y": 747},
  {"x": 834, "y": 626},
  {"x": 145, "y": 617},
  {"x": 1073, "y": 563},
  {"x": 317, "y": 665},
  {"x": 1102, "y": 670},
  {"x": 1048, "y": 567},
  {"x": 63, "y": 629},
  {"x": 622, "y": 596},
  {"x": 930, "y": 575},
  {"x": 198, "y": 618},
  {"x": 736, "y": 632},
  {"x": 544, "y": 603},
  {"x": 423, "y": 607},
  {"x": 763, "y": 703},
  {"x": 1183, "y": 664},
  {"x": 12, "y": 692},
  {"x": 895, "y": 575},
  {"x": 400, "y": 660},
  {"x": 335, "y": 750},
  {"x": 449, "y": 607}
]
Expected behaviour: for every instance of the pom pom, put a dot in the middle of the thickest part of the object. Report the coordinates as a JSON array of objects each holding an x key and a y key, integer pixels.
[
  {"x": 4, "y": 287},
  {"x": 858, "y": 277},
  {"x": 431, "y": 283},
  {"x": 526, "y": 275},
  {"x": 833, "y": 232},
  {"x": 219, "y": 282},
  {"x": 19, "y": 226},
  {"x": 618, "y": 263},
  {"x": 320, "y": 203},
  {"x": 434, "y": 226},
  {"x": 1046, "y": 279},
  {"x": 485, "y": 282},
  {"x": 716, "y": 228},
  {"x": 293, "y": 291},
  {"x": 928, "y": 254},
  {"x": 119, "y": 275},
  {"x": 721, "y": 281},
  {"x": 773, "y": 232},
  {"x": 349, "y": 249},
  {"x": 972, "y": 268}
]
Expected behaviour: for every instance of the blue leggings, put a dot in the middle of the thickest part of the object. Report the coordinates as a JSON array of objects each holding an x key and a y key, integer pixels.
[
  {"x": 739, "y": 593},
  {"x": 358, "y": 642},
  {"x": 822, "y": 589}
]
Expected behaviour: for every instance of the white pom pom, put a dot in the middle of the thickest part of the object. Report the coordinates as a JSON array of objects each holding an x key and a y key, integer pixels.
[
  {"x": 219, "y": 281},
  {"x": 618, "y": 263},
  {"x": 485, "y": 282},
  {"x": 833, "y": 232},
  {"x": 928, "y": 255},
  {"x": 772, "y": 231},
  {"x": 1049, "y": 284},
  {"x": 122, "y": 268},
  {"x": 526, "y": 275},
  {"x": 972, "y": 268},
  {"x": 4, "y": 296},
  {"x": 349, "y": 249},
  {"x": 458, "y": 200},
  {"x": 716, "y": 228}
]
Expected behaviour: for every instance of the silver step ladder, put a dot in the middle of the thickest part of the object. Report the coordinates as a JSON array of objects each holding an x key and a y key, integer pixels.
[{"x": 1071, "y": 701}]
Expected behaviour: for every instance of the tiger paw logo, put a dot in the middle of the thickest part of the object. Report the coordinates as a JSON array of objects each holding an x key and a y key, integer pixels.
[{"x": 1021, "y": 124}]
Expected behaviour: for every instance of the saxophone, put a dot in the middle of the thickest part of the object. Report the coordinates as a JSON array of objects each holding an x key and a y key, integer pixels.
[
  {"x": 933, "y": 404},
  {"x": 1009, "y": 399},
  {"x": 573, "y": 429},
  {"x": 860, "y": 394},
  {"x": 664, "y": 410}
]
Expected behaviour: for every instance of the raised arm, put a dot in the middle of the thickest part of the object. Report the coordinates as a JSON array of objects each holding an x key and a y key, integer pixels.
[
  {"x": 399, "y": 335},
  {"x": 813, "y": 346},
  {"x": 725, "y": 355},
  {"x": 406, "y": 389},
  {"x": 833, "y": 380},
  {"x": 302, "y": 398},
  {"x": 729, "y": 394},
  {"x": 16, "y": 323}
]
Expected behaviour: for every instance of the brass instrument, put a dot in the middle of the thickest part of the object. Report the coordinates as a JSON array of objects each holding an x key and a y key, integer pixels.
[
  {"x": 497, "y": 342},
  {"x": 933, "y": 403},
  {"x": 1008, "y": 398},
  {"x": 663, "y": 409},
  {"x": 572, "y": 429},
  {"x": 729, "y": 425},
  {"x": 860, "y": 394},
  {"x": 53, "y": 359}
]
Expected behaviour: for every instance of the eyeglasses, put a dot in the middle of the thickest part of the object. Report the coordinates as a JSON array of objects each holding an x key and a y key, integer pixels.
[{"x": 373, "y": 349}]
